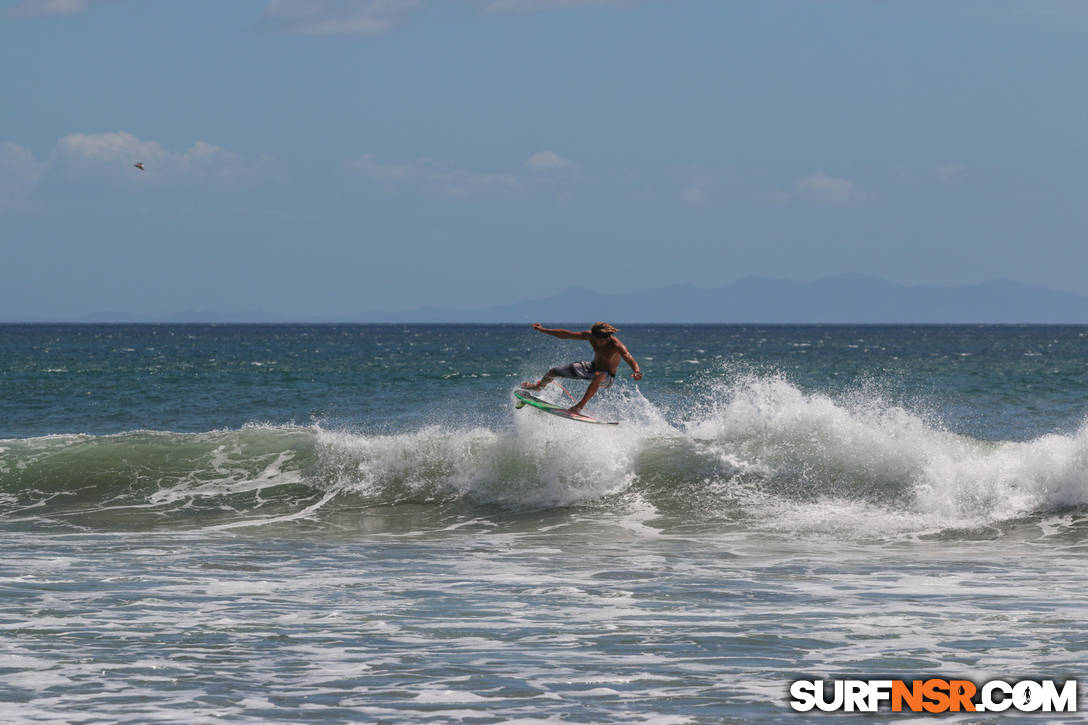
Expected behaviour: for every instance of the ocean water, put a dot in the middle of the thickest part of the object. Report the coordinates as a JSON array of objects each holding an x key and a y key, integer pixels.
[{"x": 352, "y": 524}]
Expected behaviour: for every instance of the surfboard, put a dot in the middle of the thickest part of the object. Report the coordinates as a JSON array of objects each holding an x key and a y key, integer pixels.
[{"x": 524, "y": 398}]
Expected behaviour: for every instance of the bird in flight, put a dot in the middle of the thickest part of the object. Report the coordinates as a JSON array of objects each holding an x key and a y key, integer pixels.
[{"x": 139, "y": 165}]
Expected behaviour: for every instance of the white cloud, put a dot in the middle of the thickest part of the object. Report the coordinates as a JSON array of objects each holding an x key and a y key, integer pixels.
[
  {"x": 96, "y": 151},
  {"x": 38, "y": 8},
  {"x": 436, "y": 179},
  {"x": 377, "y": 17},
  {"x": 949, "y": 173},
  {"x": 390, "y": 173},
  {"x": 549, "y": 161},
  {"x": 112, "y": 154},
  {"x": 821, "y": 188},
  {"x": 535, "y": 6},
  {"x": 109, "y": 157},
  {"x": 367, "y": 18},
  {"x": 340, "y": 17}
]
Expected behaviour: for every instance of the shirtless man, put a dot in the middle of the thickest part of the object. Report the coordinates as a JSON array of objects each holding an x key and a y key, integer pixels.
[{"x": 607, "y": 352}]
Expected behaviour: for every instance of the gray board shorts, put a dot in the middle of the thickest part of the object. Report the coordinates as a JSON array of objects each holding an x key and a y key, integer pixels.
[{"x": 579, "y": 371}]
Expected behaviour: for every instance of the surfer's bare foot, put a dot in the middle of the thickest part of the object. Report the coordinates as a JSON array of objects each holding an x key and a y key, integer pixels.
[
  {"x": 577, "y": 410},
  {"x": 530, "y": 386}
]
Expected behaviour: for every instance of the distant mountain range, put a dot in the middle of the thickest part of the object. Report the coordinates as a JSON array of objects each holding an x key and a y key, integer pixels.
[{"x": 845, "y": 299}]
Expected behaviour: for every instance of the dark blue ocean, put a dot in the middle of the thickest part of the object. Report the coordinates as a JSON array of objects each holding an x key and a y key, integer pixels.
[{"x": 351, "y": 523}]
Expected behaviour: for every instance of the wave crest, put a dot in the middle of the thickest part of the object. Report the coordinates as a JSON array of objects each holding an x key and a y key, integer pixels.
[{"x": 751, "y": 449}]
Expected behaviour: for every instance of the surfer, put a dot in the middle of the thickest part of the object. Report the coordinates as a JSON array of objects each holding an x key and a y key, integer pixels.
[{"x": 607, "y": 352}]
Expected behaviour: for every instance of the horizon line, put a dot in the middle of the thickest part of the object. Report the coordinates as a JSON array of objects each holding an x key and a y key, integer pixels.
[{"x": 387, "y": 323}]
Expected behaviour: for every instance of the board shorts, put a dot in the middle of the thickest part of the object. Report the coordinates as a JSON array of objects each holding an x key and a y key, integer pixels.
[{"x": 580, "y": 371}]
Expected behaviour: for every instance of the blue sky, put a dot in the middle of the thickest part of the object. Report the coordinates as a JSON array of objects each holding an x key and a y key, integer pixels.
[{"x": 324, "y": 158}]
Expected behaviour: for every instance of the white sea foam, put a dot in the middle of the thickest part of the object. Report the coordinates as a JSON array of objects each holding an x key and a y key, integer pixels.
[
  {"x": 865, "y": 462},
  {"x": 573, "y": 623},
  {"x": 541, "y": 463},
  {"x": 747, "y": 447},
  {"x": 776, "y": 454}
]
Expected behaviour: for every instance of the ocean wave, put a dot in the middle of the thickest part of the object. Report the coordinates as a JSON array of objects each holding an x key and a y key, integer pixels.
[
  {"x": 751, "y": 448},
  {"x": 147, "y": 478}
]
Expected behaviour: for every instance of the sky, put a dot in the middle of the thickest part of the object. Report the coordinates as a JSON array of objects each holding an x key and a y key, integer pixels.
[{"x": 321, "y": 159}]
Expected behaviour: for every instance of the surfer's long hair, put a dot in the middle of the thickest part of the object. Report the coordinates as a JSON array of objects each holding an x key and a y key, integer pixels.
[{"x": 602, "y": 329}]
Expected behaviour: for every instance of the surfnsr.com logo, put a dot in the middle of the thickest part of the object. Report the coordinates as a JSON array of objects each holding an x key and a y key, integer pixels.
[{"x": 933, "y": 696}]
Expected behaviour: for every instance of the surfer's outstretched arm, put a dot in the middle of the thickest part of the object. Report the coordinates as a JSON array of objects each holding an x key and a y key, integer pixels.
[
  {"x": 562, "y": 334},
  {"x": 628, "y": 358}
]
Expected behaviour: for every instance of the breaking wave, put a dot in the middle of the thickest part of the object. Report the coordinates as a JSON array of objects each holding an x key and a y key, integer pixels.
[{"x": 750, "y": 450}]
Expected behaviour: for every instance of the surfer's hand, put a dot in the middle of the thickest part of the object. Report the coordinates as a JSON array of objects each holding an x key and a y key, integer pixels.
[
  {"x": 538, "y": 326},
  {"x": 637, "y": 375}
]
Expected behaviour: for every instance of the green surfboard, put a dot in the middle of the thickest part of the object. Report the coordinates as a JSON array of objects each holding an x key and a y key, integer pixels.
[{"x": 524, "y": 398}]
